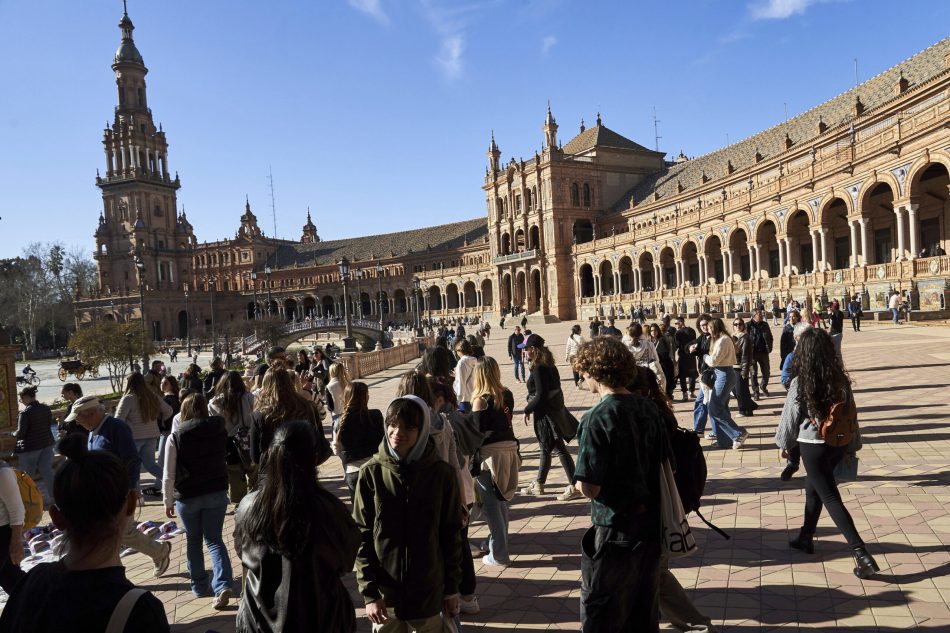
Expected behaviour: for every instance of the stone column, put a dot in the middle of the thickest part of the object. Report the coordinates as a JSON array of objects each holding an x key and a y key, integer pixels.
[
  {"x": 814, "y": 250},
  {"x": 824, "y": 247},
  {"x": 901, "y": 244},
  {"x": 679, "y": 274},
  {"x": 864, "y": 241},
  {"x": 636, "y": 279},
  {"x": 749, "y": 247},
  {"x": 788, "y": 253},
  {"x": 758, "y": 259},
  {"x": 597, "y": 285},
  {"x": 727, "y": 264},
  {"x": 853, "y": 228},
  {"x": 912, "y": 228},
  {"x": 781, "y": 256}
]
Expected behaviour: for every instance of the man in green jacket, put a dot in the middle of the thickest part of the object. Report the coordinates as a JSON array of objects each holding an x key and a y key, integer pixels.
[{"x": 409, "y": 512}]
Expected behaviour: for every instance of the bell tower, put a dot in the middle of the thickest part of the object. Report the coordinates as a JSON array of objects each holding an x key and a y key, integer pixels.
[{"x": 139, "y": 198}]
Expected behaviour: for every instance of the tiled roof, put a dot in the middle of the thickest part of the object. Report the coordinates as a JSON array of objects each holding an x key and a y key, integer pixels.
[
  {"x": 874, "y": 92},
  {"x": 599, "y": 136},
  {"x": 434, "y": 238}
]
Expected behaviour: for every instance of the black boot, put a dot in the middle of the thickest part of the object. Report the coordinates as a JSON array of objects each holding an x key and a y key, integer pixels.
[
  {"x": 866, "y": 566},
  {"x": 804, "y": 542}
]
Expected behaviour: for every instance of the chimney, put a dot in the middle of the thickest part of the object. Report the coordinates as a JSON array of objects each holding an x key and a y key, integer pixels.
[{"x": 902, "y": 85}]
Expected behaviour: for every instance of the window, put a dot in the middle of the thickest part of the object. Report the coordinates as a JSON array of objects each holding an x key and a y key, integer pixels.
[
  {"x": 157, "y": 212},
  {"x": 527, "y": 199},
  {"x": 586, "y": 195},
  {"x": 575, "y": 195}
]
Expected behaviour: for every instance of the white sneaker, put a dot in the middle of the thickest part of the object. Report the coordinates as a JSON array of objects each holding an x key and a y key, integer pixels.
[
  {"x": 570, "y": 492},
  {"x": 469, "y": 607},
  {"x": 161, "y": 565},
  {"x": 534, "y": 488},
  {"x": 738, "y": 443},
  {"x": 221, "y": 600}
]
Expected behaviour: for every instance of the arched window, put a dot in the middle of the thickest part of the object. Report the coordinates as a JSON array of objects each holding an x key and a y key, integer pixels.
[
  {"x": 586, "y": 195},
  {"x": 575, "y": 195}
]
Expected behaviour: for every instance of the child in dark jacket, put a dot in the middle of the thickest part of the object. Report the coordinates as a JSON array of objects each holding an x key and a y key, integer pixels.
[{"x": 409, "y": 512}]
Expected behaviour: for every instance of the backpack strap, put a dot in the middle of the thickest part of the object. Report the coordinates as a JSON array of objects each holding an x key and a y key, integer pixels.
[
  {"x": 711, "y": 526},
  {"x": 122, "y": 611}
]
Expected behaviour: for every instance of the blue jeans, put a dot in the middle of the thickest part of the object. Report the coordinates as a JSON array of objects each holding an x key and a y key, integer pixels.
[
  {"x": 41, "y": 462},
  {"x": 727, "y": 431},
  {"x": 895, "y": 313},
  {"x": 700, "y": 414},
  {"x": 162, "y": 440},
  {"x": 519, "y": 362},
  {"x": 146, "y": 449},
  {"x": 203, "y": 517},
  {"x": 496, "y": 516}
]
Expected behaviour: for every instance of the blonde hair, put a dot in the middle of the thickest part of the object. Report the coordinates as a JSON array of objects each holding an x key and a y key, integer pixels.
[
  {"x": 338, "y": 371},
  {"x": 488, "y": 381},
  {"x": 278, "y": 399},
  {"x": 195, "y": 406}
]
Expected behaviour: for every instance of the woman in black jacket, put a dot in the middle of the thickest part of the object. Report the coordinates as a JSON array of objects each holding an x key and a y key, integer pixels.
[
  {"x": 360, "y": 432},
  {"x": 543, "y": 383},
  {"x": 698, "y": 349},
  {"x": 295, "y": 541}
]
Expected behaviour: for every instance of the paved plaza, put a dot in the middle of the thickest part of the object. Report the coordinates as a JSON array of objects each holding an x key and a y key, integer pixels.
[{"x": 752, "y": 582}]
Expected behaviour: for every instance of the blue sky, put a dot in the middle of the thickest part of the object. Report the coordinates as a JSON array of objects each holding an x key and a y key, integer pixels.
[{"x": 377, "y": 113}]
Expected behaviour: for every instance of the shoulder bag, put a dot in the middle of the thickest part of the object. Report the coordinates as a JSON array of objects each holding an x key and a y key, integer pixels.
[{"x": 678, "y": 539}]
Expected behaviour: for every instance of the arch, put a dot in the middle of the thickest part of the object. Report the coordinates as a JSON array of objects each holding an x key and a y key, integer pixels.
[
  {"x": 487, "y": 297},
  {"x": 505, "y": 244},
  {"x": 690, "y": 257},
  {"x": 519, "y": 244},
  {"x": 586, "y": 275},
  {"x": 834, "y": 216},
  {"x": 506, "y": 292},
  {"x": 309, "y": 307},
  {"x": 452, "y": 296},
  {"x": 521, "y": 289},
  {"x": 715, "y": 264},
  {"x": 399, "y": 299},
  {"x": 365, "y": 306},
  {"x": 469, "y": 295},
  {"x": 832, "y": 200},
  {"x": 625, "y": 268},
  {"x": 534, "y": 303},
  {"x": 739, "y": 248},
  {"x": 434, "y": 298},
  {"x": 583, "y": 231},
  {"x": 919, "y": 169},
  {"x": 798, "y": 229},
  {"x": 290, "y": 309},
  {"x": 183, "y": 322},
  {"x": 766, "y": 236},
  {"x": 534, "y": 237},
  {"x": 929, "y": 191},
  {"x": 667, "y": 267},
  {"x": 647, "y": 271},
  {"x": 882, "y": 177},
  {"x": 328, "y": 304},
  {"x": 606, "y": 270},
  {"x": 877, "y": 210}
]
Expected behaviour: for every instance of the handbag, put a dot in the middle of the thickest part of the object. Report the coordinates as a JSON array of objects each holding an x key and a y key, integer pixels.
[
  {"x": 562, "y": 420},
  {"x": 678, "y": 539},
  {"x": 847, "y": 468},
  {"x": 241, "y": 447}
]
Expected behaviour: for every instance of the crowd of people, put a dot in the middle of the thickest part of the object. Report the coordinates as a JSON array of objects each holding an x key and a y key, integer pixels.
[{"x": 444, "y": 453}]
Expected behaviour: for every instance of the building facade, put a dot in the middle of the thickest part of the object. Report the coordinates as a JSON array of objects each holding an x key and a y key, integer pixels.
[{"x": 848, "y": 198}]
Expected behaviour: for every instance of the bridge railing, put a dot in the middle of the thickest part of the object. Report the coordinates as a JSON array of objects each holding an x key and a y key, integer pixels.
[{"x": 362, "y": 364}]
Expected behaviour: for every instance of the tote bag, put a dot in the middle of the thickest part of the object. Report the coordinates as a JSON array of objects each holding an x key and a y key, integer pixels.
[{"x": 678, "y": 539}]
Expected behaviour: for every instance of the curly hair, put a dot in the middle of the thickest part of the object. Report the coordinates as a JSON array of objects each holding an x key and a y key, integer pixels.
[
  {"x": 607, "y": 360},
  {"x": 822, "y": 378}
]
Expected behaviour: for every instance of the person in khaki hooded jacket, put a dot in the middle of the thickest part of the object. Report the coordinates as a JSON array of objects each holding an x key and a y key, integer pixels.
[{"x": 408, "y": 509}]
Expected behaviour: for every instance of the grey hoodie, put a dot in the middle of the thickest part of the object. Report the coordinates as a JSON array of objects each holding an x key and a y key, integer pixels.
[{"x": 424, "y": 432}]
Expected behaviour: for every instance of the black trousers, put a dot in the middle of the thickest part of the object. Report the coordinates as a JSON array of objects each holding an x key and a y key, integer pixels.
[
  {"x": 795, "y": 455},
  {"x": 821, "y": 490},
  {"x": 744, "y": 402},
  {"x": 760, "y": 362},
  {"x": 692, "y": 383},
  {"x": 619, "y": 582},
  {"x": 549, "y": 443},
  {"x": 666, "y": 364},
  {"x": 856, "y": 323},
  {"x": 467, "y": 584},
  {"x": 577, "y": 377}
]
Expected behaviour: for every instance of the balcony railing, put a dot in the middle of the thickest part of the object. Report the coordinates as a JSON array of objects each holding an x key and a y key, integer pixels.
[{"x": 516, "y": 257}]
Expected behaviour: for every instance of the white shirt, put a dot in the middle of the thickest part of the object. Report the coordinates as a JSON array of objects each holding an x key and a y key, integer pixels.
[
  {"x": 465, "y": 378},
  {"x": 12, "y": 511}
]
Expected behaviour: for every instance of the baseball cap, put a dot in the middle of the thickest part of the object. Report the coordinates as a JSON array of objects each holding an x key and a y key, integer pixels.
[
  {"x": 82, "y": 404},
  {"x": 533, "y": 340}
]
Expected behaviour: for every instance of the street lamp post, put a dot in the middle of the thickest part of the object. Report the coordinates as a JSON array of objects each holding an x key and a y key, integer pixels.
[
  {"x": 415, "y": 298},
  {"x": 140, "y": 265},
  {"x": 267, "y": 272},
  {"x": 379, "y": 298},
  {"x": 253, "y": 276},
  {"x": 349, "y": 345},
  {"x": 359, "y": 292},
  {"x": 212, "y": 281}
]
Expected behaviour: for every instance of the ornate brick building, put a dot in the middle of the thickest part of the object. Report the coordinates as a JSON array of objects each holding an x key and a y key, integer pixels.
[{"x": 850, "y": 197}]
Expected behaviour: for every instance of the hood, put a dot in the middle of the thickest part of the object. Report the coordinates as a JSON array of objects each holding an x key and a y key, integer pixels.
[{"x": 424, "y": 432}]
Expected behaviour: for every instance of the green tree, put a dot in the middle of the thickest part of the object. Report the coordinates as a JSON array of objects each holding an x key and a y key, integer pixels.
[{"x": 112, "y": 344}]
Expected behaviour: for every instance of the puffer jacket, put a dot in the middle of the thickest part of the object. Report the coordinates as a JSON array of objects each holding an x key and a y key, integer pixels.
[{"x": 410, "y": 520}]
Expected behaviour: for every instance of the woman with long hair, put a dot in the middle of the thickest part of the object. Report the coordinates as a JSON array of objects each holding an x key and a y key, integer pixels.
[
  {"x": 191, "y": 378},
  {"x": 820, "y": 384},
  {"x": 195, "y": 486},
  {"x": 360, "y": 432},
  {"x": 574, "y": 339},
  {"x": 170, "y": 389},
  {"x": 497, "y": 481},
  {"x": 644, "y": 353},
  {"x": 295, "y": 540},
  {"x": 665, "y": 351},
  {"x": 277, "y": 403},
  {"x": 721, "y": 358},
  {"x": 339, "y": 380},
  {"x": 543, "y": 383},
  {"x": 143, "y": 410},
  {"x": 94, "y": 503},
  {"x": 233, "y": 402}
]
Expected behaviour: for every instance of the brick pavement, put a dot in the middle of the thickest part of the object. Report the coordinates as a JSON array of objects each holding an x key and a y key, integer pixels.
[{"x": 753, "y": 582}]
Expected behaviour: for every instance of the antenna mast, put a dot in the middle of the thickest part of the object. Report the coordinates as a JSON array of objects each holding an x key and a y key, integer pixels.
[
  {"x": 855, "y": 72},
  {"x": 273, "y": 203},
  {"x": 656, "y": 131}
]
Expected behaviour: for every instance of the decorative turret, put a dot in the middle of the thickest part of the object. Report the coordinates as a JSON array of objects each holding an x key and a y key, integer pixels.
[
  {"x": 249, "y": 228},
  {"x": 494, "y": 155},
  {"x": 127, "y": 53},
  {"x": 309, "y": 231},
  {"x": 550, "y": 130}
]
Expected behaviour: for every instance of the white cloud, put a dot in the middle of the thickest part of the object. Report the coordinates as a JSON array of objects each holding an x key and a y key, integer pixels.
[
  {"x": 779, "y": 9},
  {"x": 450, "y": 56},
  {"x": 547, "y": 43},
  {"x": 372, "y": 8}
]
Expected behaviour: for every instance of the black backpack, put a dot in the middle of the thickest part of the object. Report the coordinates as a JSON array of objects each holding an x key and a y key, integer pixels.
[{"x": 690, "y": 472}]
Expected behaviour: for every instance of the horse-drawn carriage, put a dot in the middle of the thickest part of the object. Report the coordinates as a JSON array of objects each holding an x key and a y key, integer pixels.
[{"x": 77, "y": 368}]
